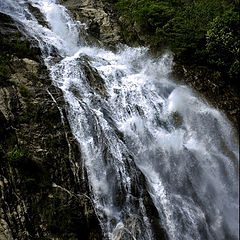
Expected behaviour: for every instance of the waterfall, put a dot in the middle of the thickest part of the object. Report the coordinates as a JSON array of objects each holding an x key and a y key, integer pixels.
[{"x": 161, "y": 163}]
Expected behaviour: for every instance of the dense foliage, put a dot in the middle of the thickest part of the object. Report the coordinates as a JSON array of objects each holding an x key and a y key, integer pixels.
[{"x": 199, "y": 32}]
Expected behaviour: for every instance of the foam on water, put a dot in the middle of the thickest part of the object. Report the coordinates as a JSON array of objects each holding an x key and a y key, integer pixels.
[{"x": 145, "y": 140}]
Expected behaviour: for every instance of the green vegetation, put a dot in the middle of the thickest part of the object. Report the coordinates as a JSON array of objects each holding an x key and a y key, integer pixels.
[
  {"x": 17, "y": 156},
  {"x": 59, "y": 216},
  {"x": 25, "y": 93},
  {"x": 199, "y": 32},
  {"x": 223, "y": 43},
  {"x": 29, "y": 114}
]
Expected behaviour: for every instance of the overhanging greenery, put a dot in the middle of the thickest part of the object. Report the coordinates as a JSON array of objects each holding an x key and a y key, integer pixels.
[{"x": 199, "y": 32}]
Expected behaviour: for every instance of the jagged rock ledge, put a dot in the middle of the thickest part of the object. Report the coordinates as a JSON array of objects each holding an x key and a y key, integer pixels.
[{"x": 100, "y": 18}]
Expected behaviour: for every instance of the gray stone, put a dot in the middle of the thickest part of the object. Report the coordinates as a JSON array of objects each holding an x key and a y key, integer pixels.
[{"x": 101, "y": 23}]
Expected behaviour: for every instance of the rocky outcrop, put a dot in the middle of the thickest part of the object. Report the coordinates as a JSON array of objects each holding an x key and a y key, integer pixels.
[
  {"x": 42, "y": 193},
  {"x": 100, "y": 19}
]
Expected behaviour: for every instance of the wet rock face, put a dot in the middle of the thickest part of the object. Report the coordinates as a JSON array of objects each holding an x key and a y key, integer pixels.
[
  {"x": 35, "y": 11},
  {"x": 212, "y": 87},
  {"x": 6, "y": 24},
  {"x": 41, "y": 191},
  {"x": 100, "y": 19}
]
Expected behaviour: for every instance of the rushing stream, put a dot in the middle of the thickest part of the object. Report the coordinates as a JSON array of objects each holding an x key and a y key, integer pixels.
[{"x": 159, "y": 160}]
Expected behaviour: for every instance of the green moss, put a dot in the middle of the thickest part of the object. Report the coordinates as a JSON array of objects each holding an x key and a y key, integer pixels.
[
  {"x": 25, "y": 93},
  {"x": 64, "y": 218},
  {"x": 17, "y": 156},
  {"x": 30, "y": 113},
  {"x": 15, "y": 45},
  {"x": 49, "y": 117},
  {"x": 34, "y": 176}
]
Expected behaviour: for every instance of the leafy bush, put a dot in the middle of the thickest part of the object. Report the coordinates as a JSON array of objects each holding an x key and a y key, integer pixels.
[
  {"x": 199, "y": 32},
  {"x": 149, "y": 14},
  {"x": 223, "y": 47},
  {"x": 186, "y": 31}
]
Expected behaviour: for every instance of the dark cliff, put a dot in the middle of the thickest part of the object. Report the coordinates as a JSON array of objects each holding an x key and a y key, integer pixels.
[{"x": 42, "y": 195}]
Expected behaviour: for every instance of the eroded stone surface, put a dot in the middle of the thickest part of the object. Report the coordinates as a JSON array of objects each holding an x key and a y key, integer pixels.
[
  {"x": 100, "y": 20},
  {"x": 36, "y": 152}
]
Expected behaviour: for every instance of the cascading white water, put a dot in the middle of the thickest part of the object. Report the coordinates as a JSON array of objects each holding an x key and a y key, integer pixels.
[{"x": 146, "y": 141}]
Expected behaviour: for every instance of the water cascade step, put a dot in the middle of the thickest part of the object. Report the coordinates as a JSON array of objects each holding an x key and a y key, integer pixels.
[{"x": 161, "y": 163}]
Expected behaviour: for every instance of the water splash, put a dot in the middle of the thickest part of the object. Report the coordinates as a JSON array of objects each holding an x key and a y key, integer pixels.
[{"x": 148, "y": 144}]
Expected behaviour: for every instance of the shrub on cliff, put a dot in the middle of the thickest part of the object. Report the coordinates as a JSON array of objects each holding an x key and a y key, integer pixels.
[
  {"x": 187, "y": 29},
  {"x": 199, "y": 32},
  {"x": 223, "y": 43}
]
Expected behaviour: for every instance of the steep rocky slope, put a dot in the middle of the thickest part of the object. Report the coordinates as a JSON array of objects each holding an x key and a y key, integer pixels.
[{"x": 42, "y": 195}]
